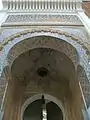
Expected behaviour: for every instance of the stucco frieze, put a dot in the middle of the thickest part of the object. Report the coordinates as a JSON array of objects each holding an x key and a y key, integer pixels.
[{"x": 46, "y": 18}]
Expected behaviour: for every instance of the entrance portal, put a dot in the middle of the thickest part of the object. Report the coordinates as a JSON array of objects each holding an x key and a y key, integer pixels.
[
  {"x": 44, "y": 66},
  {"x": 40, "y": 110}
]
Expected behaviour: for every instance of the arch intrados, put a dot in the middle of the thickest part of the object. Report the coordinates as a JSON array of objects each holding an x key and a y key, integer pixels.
[
  {"x": 71, "y": 74},
  {"x": 46, "y": 49},
  {"x": 55, "y": 39}
]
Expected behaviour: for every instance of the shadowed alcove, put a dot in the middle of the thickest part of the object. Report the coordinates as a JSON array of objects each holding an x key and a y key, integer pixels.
[{"x": 34, "y": 110}]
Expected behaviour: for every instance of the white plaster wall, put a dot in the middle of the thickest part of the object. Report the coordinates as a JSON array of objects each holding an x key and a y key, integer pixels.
[
  {"x": 3, "y": 16},
  {"x": 0, "y": 4}
]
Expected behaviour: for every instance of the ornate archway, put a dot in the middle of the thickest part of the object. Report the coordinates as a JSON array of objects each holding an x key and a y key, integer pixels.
[
  {"x": 44, "y": 43},
  {"x": 75, "y": 41}
]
